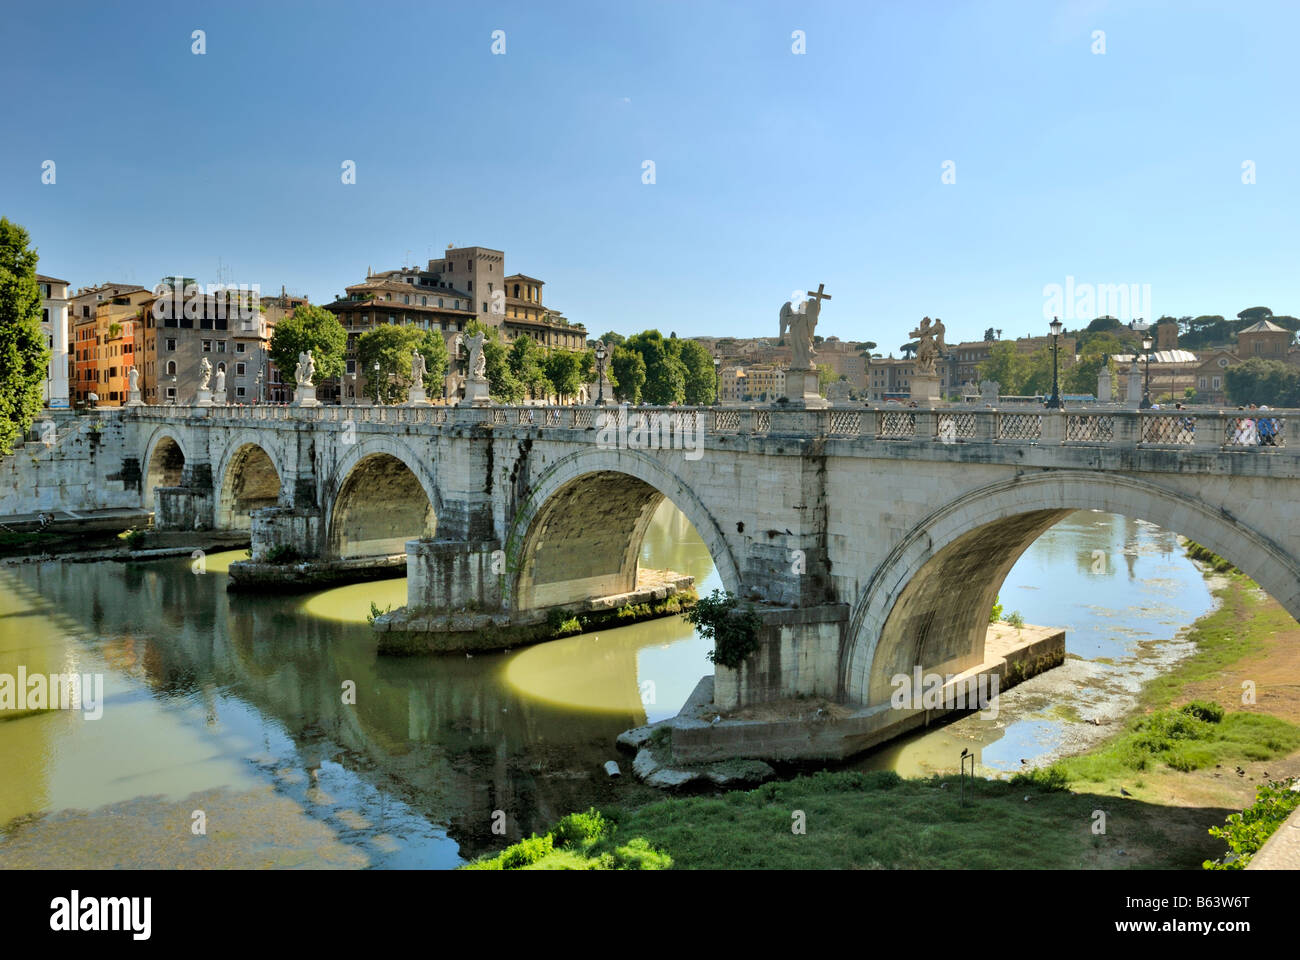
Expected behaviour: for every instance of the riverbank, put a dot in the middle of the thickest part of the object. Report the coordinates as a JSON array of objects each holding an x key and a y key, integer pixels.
[{"x": 1161, "y": 778}]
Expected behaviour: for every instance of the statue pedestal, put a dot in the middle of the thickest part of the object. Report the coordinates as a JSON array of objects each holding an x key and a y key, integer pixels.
[
  {"x": 219, "y": 398},
  {"x": 925, "y": 389},
  {"x": 1134, "y": 398},
  {"x": 1104, "y": 394},
  {"x": 304, "y": 395},
  {"x": 801, "y": 389},
  {"x": 415, "y": 397},
  {"x": 476, "y": 394},
  {"x": 133, "y": 399},
  {"x": 203, "y": 398}
]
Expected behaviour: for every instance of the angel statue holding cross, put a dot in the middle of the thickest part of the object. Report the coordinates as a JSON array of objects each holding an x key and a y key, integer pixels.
[{"x": 802, "y": 324}]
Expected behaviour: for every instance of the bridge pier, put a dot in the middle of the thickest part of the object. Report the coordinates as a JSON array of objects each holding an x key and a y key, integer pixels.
[
  {"x": 288, "y": 529},
  {"x": 188, "y": 506}
]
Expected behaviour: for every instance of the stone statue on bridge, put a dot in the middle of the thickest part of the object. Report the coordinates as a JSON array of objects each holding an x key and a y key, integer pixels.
[
  {"x": 205, "y": 373},
  {"x": 930, "y": 344},
  {"x": 418, "y": 368},
  {"x": 306, "y": 370},
  {"x": 801, "y": 324},
  {"x": 801, "y": 386},
  {"x": 477, "y": 391}
]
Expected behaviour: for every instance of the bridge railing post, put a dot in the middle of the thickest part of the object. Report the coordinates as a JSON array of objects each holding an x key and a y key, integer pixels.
[
  {"x": 1211, "y": 430},
  {"x": 986, "y": 425},
  {"x": 1127, "y": 428},
  {"x": 927, "y": 425},
  {"x": 1053, "y": 431},
  {"x": 869, "y": 425}
]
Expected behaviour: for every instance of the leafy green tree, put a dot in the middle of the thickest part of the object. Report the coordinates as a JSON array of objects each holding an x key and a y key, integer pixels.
[
  {"x": 24, "y": 357},
  {"x": 1006, "y": 365},
  {"x": 564, "y": 371},
  {"x": 1255, "y": 314},
  {"x": 665, "y": 374},
  {"x": 309, "y": 328},
  {"x": 612, "y": 339},
  {"x": 627, "y": 371},
  {"x": 390, "y": 346},
  {"x": 527, "y": 361},
  {"x": 1261, "y": 381},
  {"x": 701, "y": 376},
  {"x": 826, "y": 375}
]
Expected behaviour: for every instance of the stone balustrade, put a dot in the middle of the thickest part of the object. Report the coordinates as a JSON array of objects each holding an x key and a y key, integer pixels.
[{"x": 1192, "y": 429}]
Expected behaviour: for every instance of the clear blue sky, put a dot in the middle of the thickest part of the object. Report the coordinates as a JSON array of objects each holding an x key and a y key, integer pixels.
[{"x": 774, "y": 171}]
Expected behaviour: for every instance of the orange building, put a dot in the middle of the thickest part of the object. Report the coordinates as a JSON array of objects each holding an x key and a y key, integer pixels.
[{"x": 107, "y": 344}]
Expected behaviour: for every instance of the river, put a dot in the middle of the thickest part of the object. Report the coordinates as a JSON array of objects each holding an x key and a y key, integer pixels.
[{"x": 226, "y": 738}]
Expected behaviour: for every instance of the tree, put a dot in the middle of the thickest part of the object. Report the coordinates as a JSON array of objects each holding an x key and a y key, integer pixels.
[
  {"x": 665, "y": 374},
  {"x": 24, "y": 357},
  {"x": 865, "y": 348},
  {"x": 825, "y": 375},
  {"x": 527, "y": 362},
  {"x": 1255, "y": 314},
  {"x": 309, "y": 328},
  {"x": 390, "y": 346},
  {"x": 1263, "y": 382},
  {"x": 1103, "y": 324},
  {"x": 564, "y": 370},
  {"x": 701, "y": 375},
  {"x": 909, "y": 348},
  {"x": 1006, "y": 365},
  {"x": 988, "y": 335},
  {"x": 627, "y": 371},
  {"x": 612, "y": 339}
]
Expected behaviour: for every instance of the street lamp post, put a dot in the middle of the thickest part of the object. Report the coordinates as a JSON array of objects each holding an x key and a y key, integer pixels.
[
  {"x": 717, "y": 380},
  {"x": 1055, "y": 402},
  {"x": 1146, "y": 392},
  {"x": 600, "y": 373}
]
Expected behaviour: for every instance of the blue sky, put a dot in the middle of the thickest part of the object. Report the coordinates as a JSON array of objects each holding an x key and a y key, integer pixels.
[{"x": 774, "y": 171}]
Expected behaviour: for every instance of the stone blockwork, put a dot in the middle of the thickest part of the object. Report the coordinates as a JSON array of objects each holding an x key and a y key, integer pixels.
[
  {"x": 72, "y": 462},
  {"x": 909, "y": 519}
]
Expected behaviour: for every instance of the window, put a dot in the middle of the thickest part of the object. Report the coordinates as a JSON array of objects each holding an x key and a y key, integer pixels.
[
  {"x": 406, "y": 298},
  {"x": 1217, "y": 381},
  {"x": 239, "y": 391},
  {"x": 171, "y": 343},
  {"x": 240, "y": 368},
  {"x": 221, "y": 346},
  {"x": 207, "y": 346},
  {"x": 485, "y": 309},
  {"x": 352, "y": 367},
  {"x": 1200, "y": 383},
  {"x": 424, "y": 301},
  {"x": 239, "y": 347},
  {"x": 171, "y": 393},
  {"x": 471, "y": 286}
]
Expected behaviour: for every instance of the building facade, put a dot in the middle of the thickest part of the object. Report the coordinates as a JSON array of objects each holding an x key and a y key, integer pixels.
[{"x": 58, "y": 333}]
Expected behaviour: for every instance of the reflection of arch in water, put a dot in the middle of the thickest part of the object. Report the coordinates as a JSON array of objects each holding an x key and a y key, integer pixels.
[{"x": 928, "y": 603}]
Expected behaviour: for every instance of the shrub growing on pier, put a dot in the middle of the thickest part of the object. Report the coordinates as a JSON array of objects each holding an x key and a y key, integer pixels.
[{"x": 734, "y": 632}]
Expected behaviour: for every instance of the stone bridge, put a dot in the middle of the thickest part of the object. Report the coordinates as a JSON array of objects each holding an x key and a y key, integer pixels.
[{"x": 873, "y": 541}]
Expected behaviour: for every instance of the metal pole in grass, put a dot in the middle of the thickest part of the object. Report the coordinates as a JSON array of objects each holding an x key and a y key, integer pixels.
[{"x": 965, "y": 753}]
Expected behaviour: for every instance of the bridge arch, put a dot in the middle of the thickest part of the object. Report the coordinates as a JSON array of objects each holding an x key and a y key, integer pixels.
[
  {"x": 928, "y": 603},
  {"x": 379, "y": 496},
  {"x": 164, "y": 463},
  {"x": 580, "y": 532},
  {"x": 249, "y": 477}
]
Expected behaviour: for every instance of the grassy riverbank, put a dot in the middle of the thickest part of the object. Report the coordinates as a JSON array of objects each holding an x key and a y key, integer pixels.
[{"x": 1192, "y": 754}]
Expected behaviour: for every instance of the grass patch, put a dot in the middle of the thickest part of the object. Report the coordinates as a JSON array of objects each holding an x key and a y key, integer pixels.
[
  {"x": 1247, "y": 831},
  {"x": 1191, "y": 737},
  {"x": 581, "y": 841},
  {"x": 1239, "y": 628}
]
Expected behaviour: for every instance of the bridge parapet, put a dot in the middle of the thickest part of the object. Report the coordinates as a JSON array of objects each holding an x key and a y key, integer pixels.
[{"x": 1192, "y": 429}]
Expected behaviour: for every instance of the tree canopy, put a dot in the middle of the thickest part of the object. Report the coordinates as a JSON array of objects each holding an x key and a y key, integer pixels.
[
  {"x": 390, "y": 346},
  {"x": 24, "y": 357},
  {"x": 309, "y": 328}
]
